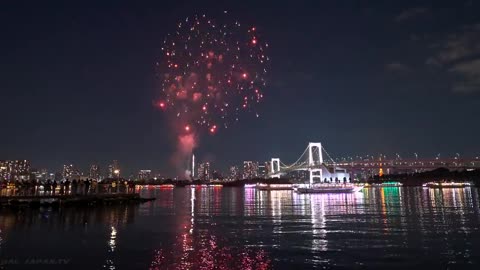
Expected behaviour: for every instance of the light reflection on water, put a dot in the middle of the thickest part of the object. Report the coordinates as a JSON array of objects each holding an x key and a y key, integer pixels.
[{"x": 236, "y": 228}]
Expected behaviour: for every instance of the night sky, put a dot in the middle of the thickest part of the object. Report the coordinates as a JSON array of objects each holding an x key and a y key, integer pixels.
[{"x": 78, "y": 81}]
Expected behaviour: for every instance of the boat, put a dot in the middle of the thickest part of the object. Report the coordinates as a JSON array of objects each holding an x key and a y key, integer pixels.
[
  {"x": 331, "y": 188},
  {"x": 447, "y": 184},
  {"x": 391, "y": 184},
  {"x": 384, "y": 184},
  {"x": 274, "y": 186}
]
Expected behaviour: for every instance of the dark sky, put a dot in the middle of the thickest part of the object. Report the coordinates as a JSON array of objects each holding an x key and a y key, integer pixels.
[{"x": 78, "y": 79}]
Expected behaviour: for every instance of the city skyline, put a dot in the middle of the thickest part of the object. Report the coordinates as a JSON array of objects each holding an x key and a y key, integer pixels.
[
  {"x": 205, "y": 169},
  {"x": 79, "y": 83}
]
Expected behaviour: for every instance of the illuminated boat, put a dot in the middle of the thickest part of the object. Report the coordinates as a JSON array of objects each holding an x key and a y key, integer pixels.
[
  {"x": 166, "y": 186},
  {"x": 331, "y": 188},
  {"x": 274, "y": 186},
  {"x": 391, "y": 184},
  {"x": 447, "y": 184}
]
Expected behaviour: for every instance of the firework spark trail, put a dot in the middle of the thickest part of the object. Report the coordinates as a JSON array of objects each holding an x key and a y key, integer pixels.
[{"x": 211, "y": 72}]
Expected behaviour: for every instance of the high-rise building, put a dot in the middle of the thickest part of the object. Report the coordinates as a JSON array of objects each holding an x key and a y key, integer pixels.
[
  {"x": 112, "y": 168},
  {"x": 144, "y": 174},
  {"x": 204, "y": 172},
  {"x": 234, "y": 172},
  {"x": 268, "y": 167},
  {"x": 67, "y": 170},
  {"x": 246, "y": 169},
  {"x": 263, "y": 170},
  {"x": 3, "y": 170},
  {"x": 41, "y": 175},
  {"x": 14, "y": 169},
  {"x": 208, "y": 173},
  {"x": 200, "y": 170},
  {"x": 22, "y": 167},
  {"x": 94, "y": 172},
  {"x": 70, "y": 172},
  {"x": 250, "y": 169}
]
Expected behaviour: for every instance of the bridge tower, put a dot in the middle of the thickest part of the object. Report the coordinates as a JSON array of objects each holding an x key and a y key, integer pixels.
[
  {"x": 275, "y": 168},
  {"x": 315, "y": 161}
]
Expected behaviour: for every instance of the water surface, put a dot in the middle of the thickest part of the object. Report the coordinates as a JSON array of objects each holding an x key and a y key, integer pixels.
[{"x": 237, "y": 228}]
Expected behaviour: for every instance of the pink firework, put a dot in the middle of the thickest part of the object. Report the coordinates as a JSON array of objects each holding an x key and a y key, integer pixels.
[{"x": 212, "y": 72}]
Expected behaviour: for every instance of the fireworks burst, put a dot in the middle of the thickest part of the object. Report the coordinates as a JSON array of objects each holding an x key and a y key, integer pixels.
[{"x": 211, "y": 72}]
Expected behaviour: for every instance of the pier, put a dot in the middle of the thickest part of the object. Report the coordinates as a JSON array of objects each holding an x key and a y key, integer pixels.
[
  {"x": 71, "y": 200},
  {"x": 33, "y": 196}
]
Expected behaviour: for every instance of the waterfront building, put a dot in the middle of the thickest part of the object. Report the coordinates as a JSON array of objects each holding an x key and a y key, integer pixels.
[
  {"x": 250, "y": 169},
  {"x": 14, "y": 169},
  {"x": 204, "y": 172},
  {"x": 3, "y": 170},
  {"x": 94, "y": 172},
  {"x": 113, "y": 168},
  {"x": 41, "y": 175},
  {"x": 70, "y": 172},
  {"x": 263, "y": 169},
  {"x": 234, "y": 172},
  {"x": 144, "y": 174}
]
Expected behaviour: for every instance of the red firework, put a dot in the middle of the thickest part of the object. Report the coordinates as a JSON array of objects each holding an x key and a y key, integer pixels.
[{"x": 211, "y": 72}]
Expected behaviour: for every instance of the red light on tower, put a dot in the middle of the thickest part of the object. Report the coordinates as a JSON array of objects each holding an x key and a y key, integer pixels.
[
  {"x": 254, "y": 41},
  {"x": 244, "y": 75}
]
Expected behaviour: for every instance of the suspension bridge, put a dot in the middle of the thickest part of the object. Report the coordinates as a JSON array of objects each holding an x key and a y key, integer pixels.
[
  {"x": 319, "y": 164},
  {"x": 311, "y": 160}
]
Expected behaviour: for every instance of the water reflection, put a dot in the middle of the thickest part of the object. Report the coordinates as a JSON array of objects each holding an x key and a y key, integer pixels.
[
  {"x": 202, "y": 248},
  {"x": 109, "y": 262},
  {"x": 236, "y": 228}
]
